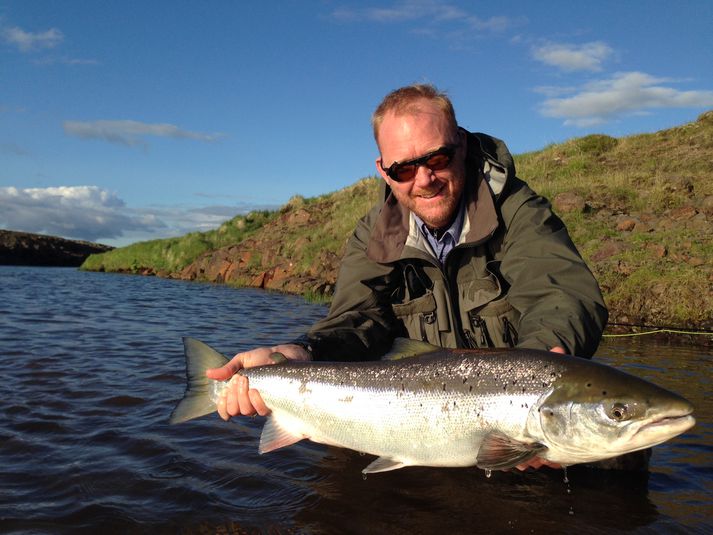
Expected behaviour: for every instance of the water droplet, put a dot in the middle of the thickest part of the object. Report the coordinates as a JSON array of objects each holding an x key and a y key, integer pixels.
[
  {"x": 566, "y": 479},
  {"x": 363, "y": 476},
  {"x": 571, "y": 511},
  {"x": 488, "y": 473}
]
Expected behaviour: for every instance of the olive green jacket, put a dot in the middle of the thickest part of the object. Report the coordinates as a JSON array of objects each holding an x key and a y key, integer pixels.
[{"x": 514, "y": 279}]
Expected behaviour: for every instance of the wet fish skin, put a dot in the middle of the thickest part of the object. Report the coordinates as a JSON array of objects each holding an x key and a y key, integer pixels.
[{"x": 493, "y": 409}]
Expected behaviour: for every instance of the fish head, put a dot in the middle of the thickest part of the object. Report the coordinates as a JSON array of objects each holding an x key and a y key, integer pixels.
[{"x": 595, "y": 412}]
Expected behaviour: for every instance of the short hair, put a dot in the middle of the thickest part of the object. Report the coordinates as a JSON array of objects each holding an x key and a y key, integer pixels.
[{"x": 404, "y": 100}]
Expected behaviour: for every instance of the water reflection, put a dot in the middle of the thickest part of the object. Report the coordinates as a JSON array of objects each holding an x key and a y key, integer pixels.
[
  {"x": 425, "y": 500},
  {"x": 93, "y": 365}
]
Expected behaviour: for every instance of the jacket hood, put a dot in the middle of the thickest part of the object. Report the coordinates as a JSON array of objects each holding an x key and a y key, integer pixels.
[{"x": 489, "y": 166}]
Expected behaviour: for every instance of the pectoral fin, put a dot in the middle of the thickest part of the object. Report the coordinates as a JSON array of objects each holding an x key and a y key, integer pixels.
[
  {"x": 500, "y": 452},
  {"x": 274, "y": 436},
  {"x": 382, "y": 464}
]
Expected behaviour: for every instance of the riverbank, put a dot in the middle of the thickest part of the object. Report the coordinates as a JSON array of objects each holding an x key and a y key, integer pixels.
[
  {"x": 27, "y": 249},
  {"x": 639, "y": 209}
]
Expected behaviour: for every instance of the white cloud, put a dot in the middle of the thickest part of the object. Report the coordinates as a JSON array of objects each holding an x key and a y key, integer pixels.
[
  {"x": 624, "y": 93},
  {"x": 28, "y": 41},
  {"x": 493, "y": 24},
  {"x": 64, "y": 60},
  {"x": 13, "y": 149},
  {"x": 586, "y": 57},
  {"x": 95, "y": 214},
  {"x": 130, "y": 133},
  {"x": 424, "y": 10},
  {"x": 79, "y": 212}
]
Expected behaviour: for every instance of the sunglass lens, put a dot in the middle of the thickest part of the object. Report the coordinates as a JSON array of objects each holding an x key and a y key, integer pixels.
[
  {"x": 404, "y": 173},
  {"x": 438, "y": 162}
]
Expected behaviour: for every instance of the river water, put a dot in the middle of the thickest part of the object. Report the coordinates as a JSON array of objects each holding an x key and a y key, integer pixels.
[{"x": 92, "y": 366}]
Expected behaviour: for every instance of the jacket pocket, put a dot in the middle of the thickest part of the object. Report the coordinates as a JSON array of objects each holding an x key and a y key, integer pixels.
[
  {"x": 488, "y": 318},
  {"x": 420, "y": 318},
  {"x": 495, "y": 324}
]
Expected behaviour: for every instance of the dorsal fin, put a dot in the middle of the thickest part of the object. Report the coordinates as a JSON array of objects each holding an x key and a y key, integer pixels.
[{"x": 405, "y": 347}]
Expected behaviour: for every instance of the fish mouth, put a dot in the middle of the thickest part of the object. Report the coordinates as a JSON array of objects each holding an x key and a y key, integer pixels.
[{"x": 670, "y": 425}]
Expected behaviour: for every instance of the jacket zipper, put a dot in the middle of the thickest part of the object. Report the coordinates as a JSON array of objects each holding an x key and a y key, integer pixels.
[
  {"x": 478, "y": 324},
  {"x": 424, "y": 319},
  {"x": 509, "y": 333}
]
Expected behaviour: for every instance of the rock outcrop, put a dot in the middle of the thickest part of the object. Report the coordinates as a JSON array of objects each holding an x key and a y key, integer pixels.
[{"x": 26, "y": 249}]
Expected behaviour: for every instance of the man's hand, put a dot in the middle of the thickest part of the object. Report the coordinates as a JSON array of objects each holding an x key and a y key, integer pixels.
[
  {"x": 536, "y": 462},
  {"x": 239, "y": 398}
]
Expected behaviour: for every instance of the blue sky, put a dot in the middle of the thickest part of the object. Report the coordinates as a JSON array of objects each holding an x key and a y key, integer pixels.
[{"x": 131, "y": 120}]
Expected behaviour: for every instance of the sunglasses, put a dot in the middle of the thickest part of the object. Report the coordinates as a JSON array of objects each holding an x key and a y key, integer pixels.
[{"x": 437, "y": 160}]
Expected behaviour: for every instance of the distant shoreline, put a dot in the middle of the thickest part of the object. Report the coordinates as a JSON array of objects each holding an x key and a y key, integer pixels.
[{"x": 28, "y": 249}]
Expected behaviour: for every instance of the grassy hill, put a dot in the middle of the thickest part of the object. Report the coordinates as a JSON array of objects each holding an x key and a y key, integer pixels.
[{"x": 639, "y": 208}]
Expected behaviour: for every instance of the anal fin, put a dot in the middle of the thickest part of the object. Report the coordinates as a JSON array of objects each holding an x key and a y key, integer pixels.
[{"x": 382, "y": 464}]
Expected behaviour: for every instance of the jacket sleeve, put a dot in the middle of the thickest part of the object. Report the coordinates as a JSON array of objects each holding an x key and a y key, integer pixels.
[
  {"x": 360, "y": 324},
  {"x": 558, "y": 298}
]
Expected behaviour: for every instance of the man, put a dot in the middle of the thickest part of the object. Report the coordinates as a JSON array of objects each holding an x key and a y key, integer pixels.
[{"x": 461, "y": 253}]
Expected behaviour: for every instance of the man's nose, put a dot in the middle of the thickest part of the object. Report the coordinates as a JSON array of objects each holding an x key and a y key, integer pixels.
[{"x": 424, "y": 176}]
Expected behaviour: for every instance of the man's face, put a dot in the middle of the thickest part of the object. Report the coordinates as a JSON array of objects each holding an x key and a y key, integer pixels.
[{"x": 431, "y": 195}]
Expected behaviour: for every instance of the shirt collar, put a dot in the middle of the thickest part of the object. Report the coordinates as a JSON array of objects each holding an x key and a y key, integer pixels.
[{"x": 453, "y": 230}]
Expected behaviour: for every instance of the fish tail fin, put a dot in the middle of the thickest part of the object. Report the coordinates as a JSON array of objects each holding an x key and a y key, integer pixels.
[{"x": 197, "y": 400}]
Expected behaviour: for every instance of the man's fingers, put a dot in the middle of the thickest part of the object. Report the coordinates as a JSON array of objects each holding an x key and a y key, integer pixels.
[
  {"x": 245, "y": 406},
  {"x": 537, "y": 463},
  {"x": 258, "y": 403},
  {"x": 225, "y": 372},
  {"x": 231, "y": 399}
]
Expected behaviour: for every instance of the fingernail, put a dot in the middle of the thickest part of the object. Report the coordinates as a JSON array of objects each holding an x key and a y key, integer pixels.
[{"x": 278, "y": 358}]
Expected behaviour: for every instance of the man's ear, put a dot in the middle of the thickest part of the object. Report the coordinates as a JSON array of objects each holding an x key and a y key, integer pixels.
[{"x": 382, "y": 172}]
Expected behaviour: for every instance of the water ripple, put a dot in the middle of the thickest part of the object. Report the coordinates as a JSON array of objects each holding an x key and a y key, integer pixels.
[{"x": 93, "y": 365}]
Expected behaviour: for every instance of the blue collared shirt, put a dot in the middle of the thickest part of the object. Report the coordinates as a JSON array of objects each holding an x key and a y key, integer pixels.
[{"x": 448, "y": 240}]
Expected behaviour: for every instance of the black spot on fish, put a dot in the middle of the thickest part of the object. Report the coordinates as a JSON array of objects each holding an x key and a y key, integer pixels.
[
  {"x": 465, "y": 380},
  {"x": 589, "y": 385},
  {"x": 470, "y": 388},
  {"x": 604, "y": 392},
  {"x": 444, "y": 387},
  {"x": 553, "y": 374}
]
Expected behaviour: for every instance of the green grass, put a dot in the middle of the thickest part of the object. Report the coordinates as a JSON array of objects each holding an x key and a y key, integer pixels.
[
  {"x": 173, "y": 254},
  {"x": 645, "y": 176}
]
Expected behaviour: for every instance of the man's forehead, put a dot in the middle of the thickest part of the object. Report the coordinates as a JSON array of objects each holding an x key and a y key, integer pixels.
[
  {"x": 417, "y": 109},
  {"x": 421, "y": 131}
]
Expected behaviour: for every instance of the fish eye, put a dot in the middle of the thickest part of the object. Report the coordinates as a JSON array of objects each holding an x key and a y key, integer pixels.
[{"x": 619, "y": 412}]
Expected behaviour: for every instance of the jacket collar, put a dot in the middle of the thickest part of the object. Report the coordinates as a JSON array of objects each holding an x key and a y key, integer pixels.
[{"x": 393, "y": 227}]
